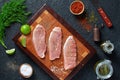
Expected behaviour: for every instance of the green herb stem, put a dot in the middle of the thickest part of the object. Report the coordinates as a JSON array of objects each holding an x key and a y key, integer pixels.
[{"x": 12, "y": 11}]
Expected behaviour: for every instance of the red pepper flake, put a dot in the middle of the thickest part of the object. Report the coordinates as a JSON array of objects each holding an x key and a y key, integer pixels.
[
  {"x": 86, "y": 20},
  {"x": 86, "y": 24}
]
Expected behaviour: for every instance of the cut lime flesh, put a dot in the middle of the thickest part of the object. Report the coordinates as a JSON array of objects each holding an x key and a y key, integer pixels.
[
  {"x": 23, "y": 42},
  {"x": 10, "y": 51}
]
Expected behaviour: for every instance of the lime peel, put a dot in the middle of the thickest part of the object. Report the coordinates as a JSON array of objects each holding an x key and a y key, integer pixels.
[{"x": 25, "y": 29}]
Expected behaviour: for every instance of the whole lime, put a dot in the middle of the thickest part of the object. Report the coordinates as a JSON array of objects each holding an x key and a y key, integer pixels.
[{"x": 25, "y": 29}]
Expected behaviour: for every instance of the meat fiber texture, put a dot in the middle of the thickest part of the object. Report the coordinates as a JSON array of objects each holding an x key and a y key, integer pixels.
[
  {"x": 69, "y": 53},
  {"x": 55, "y": 43},
  {"x": 38, "y": 39}
]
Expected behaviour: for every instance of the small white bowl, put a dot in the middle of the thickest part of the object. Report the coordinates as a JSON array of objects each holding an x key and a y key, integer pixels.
[{"x": 26, "y": 70}]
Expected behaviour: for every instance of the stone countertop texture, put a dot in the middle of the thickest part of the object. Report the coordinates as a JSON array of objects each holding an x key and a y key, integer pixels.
[{"x": 9, "y": 64}]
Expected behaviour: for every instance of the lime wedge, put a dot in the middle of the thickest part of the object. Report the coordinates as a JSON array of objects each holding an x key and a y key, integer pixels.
[
  {"x": 23, "y": 41},
  {"x": 10, "y": 51}
]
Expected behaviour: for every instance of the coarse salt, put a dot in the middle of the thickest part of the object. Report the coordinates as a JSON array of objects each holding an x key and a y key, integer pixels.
[{"x": 26, "y": 70}]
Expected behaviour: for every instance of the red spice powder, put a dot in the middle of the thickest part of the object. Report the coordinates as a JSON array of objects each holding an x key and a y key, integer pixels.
[
  {"x": 85, "y": 23},
  {"x": 76, "y": 7}
]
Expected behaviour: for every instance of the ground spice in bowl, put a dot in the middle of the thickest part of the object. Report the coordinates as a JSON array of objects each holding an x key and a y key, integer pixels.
[
  {"x": 77, "y": 7},
  {"x": 26, "y": 70}
]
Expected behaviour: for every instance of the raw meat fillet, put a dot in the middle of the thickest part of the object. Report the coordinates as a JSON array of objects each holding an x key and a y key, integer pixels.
[
  {"x": 54, "y": 43},
  {"x": 38, "y": 40},
  {"x": 69, "y": 53}
]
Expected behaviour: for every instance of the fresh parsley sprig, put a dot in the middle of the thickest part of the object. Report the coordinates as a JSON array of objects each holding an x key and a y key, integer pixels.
[{"x": 12, "y": 11}]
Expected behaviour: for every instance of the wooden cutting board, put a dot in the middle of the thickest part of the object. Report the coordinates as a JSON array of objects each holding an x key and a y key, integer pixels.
[{"x": 49, "y": 19}]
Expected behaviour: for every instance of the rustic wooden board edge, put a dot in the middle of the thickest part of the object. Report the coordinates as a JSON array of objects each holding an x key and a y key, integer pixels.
[
  {"x": 77, "y": 69},
  {"x": 76, "y": 34},
  {"x": 15, "y": 39}
]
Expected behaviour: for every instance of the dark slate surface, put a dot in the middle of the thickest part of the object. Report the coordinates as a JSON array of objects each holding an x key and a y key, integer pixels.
[{"x": 9, "y": 64}]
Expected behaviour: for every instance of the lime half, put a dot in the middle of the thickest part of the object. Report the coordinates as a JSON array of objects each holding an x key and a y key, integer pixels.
[{"x": 10, "y": 51}]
